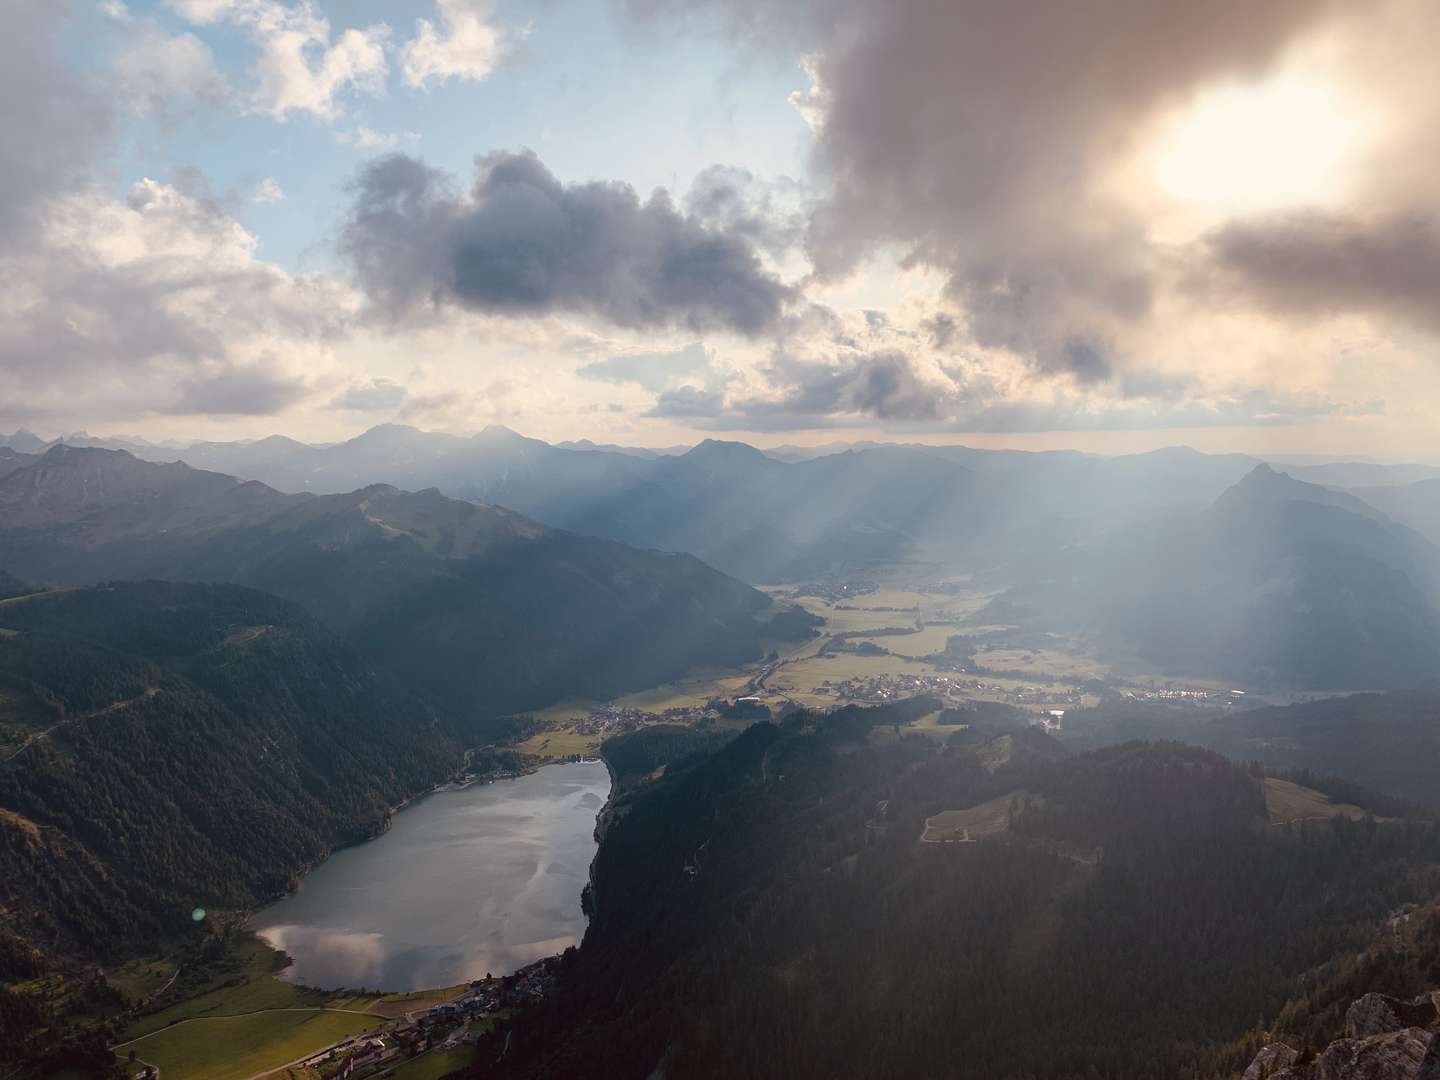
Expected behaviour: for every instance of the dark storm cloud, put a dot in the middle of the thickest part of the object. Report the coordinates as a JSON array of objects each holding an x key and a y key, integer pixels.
[
  {"x": 1313, "y": 263},
  {"x": 522, "y": 243}
]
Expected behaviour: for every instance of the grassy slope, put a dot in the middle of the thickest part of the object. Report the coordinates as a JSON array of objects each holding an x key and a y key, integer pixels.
[
  {"x": 237, "y": 1047},
  {"x": 1287, "y": 801}
]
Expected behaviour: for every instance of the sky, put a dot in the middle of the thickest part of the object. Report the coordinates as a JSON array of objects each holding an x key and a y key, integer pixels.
[{"x": 1104, "y": 224}]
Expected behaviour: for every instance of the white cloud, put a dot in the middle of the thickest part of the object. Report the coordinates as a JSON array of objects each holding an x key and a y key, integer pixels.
[
  {"x": 465, "y": 46},
  {"x": 156, "y": 305},
  {"x": 364, "y": 138},
  {"x": 156, "y": 72},
  {"x": 267, "y": 191},
  {"x": 299, "y": 68}
]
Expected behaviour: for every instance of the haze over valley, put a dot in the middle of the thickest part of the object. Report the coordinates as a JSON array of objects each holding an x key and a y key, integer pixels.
[{"x": 627, "y": 539}]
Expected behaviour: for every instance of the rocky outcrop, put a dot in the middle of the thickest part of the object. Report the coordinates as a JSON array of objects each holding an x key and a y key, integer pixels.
[{"x": 1386, "y": 1038}]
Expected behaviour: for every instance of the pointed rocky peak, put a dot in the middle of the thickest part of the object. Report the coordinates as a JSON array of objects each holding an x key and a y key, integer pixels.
[
  {"x": 25, "y": 442},
  {"x": 1265, "y": 486}
]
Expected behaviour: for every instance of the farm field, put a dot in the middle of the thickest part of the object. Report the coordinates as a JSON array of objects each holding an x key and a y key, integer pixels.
[
  {"x": 687, "y": 692},
  {"x": 238, "y": 1047},
  {"x": 1046, "y": 663},
  {"x": 251, "y": 986},
  {"x": 903, "y": 599},
  {"x": 926, "y": 642},
  {"x": 139, "y": 979},
  {"x": 813, "y": 670},
  {"x": 559, "y": 743},
  {"x": 1287, "y": 802},
  {"x": 848, "y": 620},
  {"x": 393, "y": 1006},
  {"x": 929, "y": 724},
  {"x": 435, "y": 1065},
  {"x": 972, "y": 824}
]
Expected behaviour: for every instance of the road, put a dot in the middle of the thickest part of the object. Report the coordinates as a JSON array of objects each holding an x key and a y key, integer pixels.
[{"x": 113, "y": 707}]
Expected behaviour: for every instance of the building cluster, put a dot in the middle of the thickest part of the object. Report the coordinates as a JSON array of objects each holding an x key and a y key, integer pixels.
[
  {"x": 1192, "y": 694},
  {"x": 607, "y": 720},
  {"x": 887, "y": 688},
  {"x": 833, "y": 592},
  {"x": 459, "y": 1020}
]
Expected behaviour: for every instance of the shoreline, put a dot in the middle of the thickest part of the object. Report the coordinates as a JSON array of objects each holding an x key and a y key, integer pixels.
[{"x": 532, "y": 767}]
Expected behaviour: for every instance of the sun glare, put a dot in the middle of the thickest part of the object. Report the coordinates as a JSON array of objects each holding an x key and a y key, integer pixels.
[{"x": 1264, "y": 146}]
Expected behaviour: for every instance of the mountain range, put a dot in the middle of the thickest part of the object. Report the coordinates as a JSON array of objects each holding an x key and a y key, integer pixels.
[
  {"x": 486, "y": 610},
  {"x": 1172, "y": 560},
  {"x": 749, "y": 513}
]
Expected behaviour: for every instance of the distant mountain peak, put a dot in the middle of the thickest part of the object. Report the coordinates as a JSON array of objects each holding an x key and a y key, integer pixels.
[
  {"x": 63, "y": 451},
  {"x": 499, "y": 431},
  {"x": 23, "y": 442},
  {"x": 725, "y": 450},
  {"x": 386, "y": 431},
  {"x": 1264, "y": 485},
  {"x": 1265, "y": 482}
]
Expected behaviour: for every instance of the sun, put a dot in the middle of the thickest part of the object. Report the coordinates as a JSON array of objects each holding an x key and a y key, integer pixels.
[{"x": 1244, "y": 148}]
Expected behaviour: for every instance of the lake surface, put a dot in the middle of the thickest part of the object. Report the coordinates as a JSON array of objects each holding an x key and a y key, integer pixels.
[{"x": 481, "y": 879}]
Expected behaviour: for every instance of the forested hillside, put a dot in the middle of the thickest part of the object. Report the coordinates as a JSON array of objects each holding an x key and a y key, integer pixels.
[
  {"x": 771, "y": 909},
  {"x": 1386, "y": 742},
  {"x": 486, "y": 611},
  {"x": 165, "y": 747}
]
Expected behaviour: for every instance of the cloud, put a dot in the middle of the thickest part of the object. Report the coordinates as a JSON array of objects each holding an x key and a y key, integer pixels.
[
  {"x": 465, "y": 46},
  {"x": 770, "y": 215},
  {"x": 884, "y": 386},
  {"x": 157, "y": 304},
  {"x": 52, "y": 123},
  {"x": 520, "y": 242},
  {"x": 687, "y": 402},
  {"x": 1314, "y": 263},
  {"x": 129, "y": 307},
  {"x": 300, "y": 69},
  {"x": 363, "y": 138},
  {"x": 651, "y": 371},
  {"x": 161, "y": 73},
  {"x": 980, "y": 139},
  {"x": 376, "y": 395},
  {"x": 267, "y": 191}
]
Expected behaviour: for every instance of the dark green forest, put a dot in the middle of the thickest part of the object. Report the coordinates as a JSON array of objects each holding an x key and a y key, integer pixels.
[
  {"x": 1386, "y": 742},
  {"x": 768, "y": 909},
  {"x": 165, "y": 747}
]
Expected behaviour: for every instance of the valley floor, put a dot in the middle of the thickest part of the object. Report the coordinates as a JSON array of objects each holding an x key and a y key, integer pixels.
[{"x": 876, "y": 645}]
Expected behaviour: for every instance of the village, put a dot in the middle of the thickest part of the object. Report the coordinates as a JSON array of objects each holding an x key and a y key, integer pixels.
[{"x": 462, "y": 1020}]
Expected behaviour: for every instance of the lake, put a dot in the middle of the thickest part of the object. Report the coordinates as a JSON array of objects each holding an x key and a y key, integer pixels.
[{"x": 480, "y": 879}]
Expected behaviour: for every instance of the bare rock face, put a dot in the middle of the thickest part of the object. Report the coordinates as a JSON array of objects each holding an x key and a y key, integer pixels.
[
  {"x": 1377, "y": 1014},
  {"x": 1411, "y": 1054},
  {"x": 1271, "y": 1061},
  {"x": 1387, "y": 1039}
]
